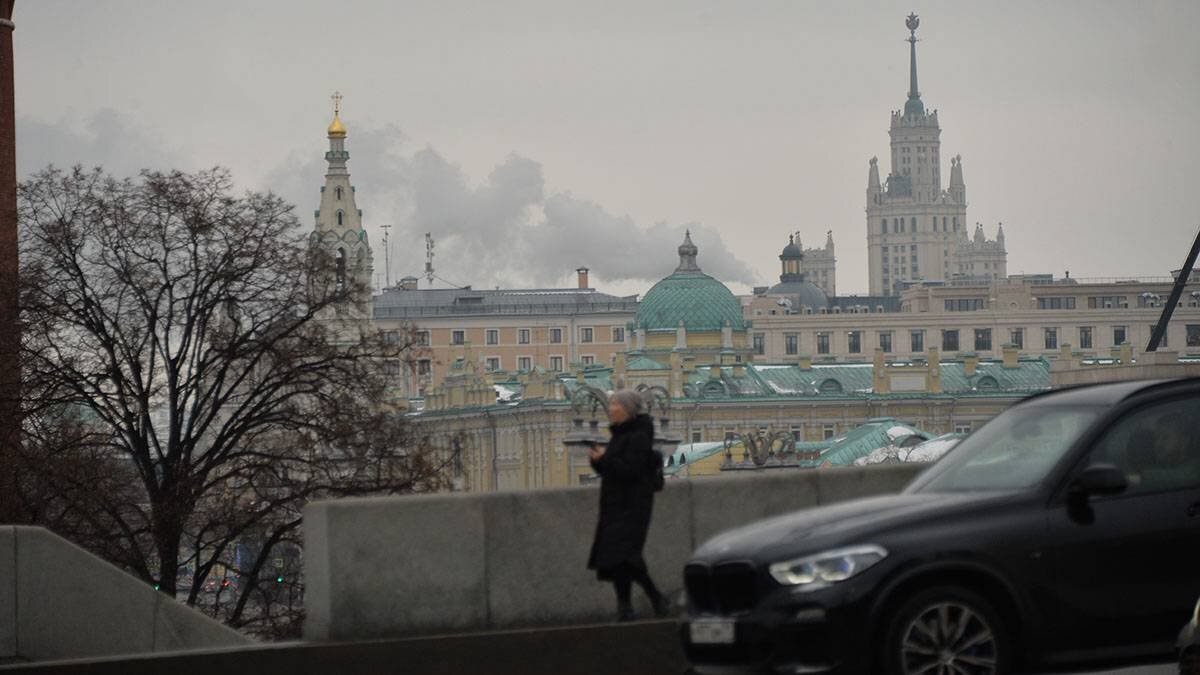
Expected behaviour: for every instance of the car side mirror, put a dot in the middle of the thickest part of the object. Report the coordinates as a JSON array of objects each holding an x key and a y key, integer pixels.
[{"x": 1100, "y": 479}]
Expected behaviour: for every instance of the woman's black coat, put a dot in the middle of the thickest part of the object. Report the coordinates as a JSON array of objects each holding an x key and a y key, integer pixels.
[{"x": 626, "y": 497}]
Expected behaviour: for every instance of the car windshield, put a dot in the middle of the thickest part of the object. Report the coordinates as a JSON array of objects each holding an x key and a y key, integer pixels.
[{"x": 1013, "y": 451}]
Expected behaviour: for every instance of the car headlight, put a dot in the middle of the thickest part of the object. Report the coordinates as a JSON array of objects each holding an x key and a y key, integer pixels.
[{"x": 820, "y": 570}]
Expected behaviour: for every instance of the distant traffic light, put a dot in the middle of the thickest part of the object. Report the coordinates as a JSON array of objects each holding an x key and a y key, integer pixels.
[{"x": 279, "y": 578}]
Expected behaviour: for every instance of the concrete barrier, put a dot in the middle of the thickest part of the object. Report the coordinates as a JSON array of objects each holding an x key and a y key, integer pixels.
[
  {"x": 58, "y": 601},
  {"x": 387, "y": 567}
]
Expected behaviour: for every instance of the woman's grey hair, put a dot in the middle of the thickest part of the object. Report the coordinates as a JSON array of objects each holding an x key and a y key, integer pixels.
[{"x": 630, "y": 400}]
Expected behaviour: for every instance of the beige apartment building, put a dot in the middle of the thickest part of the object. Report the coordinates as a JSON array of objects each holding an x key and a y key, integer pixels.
[
  {"x": 1038, "y": 315},
  {"x": 501, "y": 330}
]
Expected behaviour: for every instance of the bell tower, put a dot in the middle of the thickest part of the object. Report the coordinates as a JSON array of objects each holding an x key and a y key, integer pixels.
[{"x": 339, "y": 226}]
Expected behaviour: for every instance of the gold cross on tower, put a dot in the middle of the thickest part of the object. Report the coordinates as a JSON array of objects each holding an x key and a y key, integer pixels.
[{"x": 337, "y": 102}]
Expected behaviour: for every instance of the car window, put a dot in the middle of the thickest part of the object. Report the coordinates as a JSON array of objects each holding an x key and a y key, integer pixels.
[
  {"x": 1158, "y": 447},
  {"x": 1014, "y": 450}
]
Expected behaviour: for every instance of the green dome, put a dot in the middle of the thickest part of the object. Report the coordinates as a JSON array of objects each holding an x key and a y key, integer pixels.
[{"x": 691, "y": 296}]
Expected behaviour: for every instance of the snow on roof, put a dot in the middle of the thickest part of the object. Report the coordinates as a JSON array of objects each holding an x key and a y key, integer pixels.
[{"x": 932, "y": 450}]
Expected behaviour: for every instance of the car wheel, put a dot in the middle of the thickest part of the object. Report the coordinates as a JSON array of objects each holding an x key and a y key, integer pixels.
[
  {"x": 946, "y": 630},
  {"x": 1189, "y": 661}
]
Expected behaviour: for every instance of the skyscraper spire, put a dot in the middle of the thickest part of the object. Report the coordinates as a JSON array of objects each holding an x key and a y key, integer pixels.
[{"x": 913, "y": 106}]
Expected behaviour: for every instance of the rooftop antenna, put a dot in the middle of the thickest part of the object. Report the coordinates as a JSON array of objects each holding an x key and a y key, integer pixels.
[
  {"x": 387, "y": 256},
  {"x": 429, "y": 257}
]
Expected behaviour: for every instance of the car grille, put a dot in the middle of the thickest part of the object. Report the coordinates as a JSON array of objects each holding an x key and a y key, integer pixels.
[{"x": 723, "y": 588}]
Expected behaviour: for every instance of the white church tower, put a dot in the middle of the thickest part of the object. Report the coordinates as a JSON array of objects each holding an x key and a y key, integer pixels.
[
  {"x": 339, "y": 227},
  {"x": 913, "y": 225}
]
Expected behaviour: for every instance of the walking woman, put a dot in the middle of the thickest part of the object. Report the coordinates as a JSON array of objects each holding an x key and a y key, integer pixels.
[{"x": 626, "y": 468}]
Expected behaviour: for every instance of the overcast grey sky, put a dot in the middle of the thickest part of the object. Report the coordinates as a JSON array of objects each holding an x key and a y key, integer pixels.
[{"x": 533, "y": 137}]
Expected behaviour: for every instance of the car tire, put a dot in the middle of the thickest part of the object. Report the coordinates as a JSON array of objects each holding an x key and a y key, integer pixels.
[
  {"x": 1189, "y": 661},
  {"x": 946, "y": 625}
]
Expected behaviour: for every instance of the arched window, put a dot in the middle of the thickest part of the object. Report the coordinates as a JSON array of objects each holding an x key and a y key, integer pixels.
[
  {"x": 987, "y": 382},
  {"x": 337, "y": 192},
  {"x": 339, "y": 216},
  {"x": 341, "y": 264},
  {"x": 831, "y": 386},
  {"x": 884, "y": 226}
]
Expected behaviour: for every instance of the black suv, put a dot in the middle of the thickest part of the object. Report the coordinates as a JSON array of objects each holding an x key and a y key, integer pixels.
[{"x": 1065, "y": 531}]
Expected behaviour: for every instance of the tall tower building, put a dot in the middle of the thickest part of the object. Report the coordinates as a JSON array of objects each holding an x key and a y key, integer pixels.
[
  {"x": 912, "y": 223},
  {"x": 819, "y": 265},
  {"x": 339, "y": 226}
]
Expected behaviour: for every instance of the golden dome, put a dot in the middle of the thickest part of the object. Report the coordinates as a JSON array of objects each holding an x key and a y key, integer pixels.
[{"x": 336, "y": 128}]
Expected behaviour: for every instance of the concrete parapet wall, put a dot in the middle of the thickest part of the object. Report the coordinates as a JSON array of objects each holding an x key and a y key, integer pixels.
[
  {"x": 58, "y": 601},
  {"x": 393, "y": 566}
]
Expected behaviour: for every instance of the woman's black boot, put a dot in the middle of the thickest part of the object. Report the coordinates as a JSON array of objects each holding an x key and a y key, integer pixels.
[{"x": 625, "y": 611}]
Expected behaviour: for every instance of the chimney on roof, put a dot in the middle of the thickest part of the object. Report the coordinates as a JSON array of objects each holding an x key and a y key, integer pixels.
[{"x": 583, "y": 277}]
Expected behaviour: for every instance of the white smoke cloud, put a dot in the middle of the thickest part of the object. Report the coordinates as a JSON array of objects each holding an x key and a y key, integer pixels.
[{"x": 504, "y": 230}]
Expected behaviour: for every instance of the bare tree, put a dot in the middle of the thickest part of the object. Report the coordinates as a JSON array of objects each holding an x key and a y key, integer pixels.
[{"x": 195, "y": 373}]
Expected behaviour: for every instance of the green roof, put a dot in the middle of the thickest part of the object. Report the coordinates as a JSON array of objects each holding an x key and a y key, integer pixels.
[
  {"x": 701, "y": 302},
  {"x": 863, "y": 440}
]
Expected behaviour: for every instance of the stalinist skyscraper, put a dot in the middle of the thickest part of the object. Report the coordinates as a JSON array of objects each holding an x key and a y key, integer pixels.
[{"x": 913, "y": 225}]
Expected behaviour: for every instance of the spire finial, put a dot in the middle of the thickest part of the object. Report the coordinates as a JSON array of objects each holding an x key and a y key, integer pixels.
[
  {"x": 336, "y": 128},
  {"x": 687, "y": 254},
  {"x": 914, "y": 105}
]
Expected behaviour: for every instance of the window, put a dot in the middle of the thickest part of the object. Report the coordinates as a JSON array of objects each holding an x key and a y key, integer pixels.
[
  {"x": 791, "y": 344},
  {"x": 950, "y": 340},
  {"x": 339, "y": 216},
  {"x": 556, "y": 336},
  {"x": 493, "y": 363},
  {"x": 391, "y": 337},
  {"x": 965, "y": 304},
  {"x": 524, "y": 363},
  {"x": 983, "y": 339},
  {"x": 797, "y": 433},
  {"x": 458, "y": 337},
  {"x": 1085, "y": 337},
  {"x": 827, "y": 431},
  {"x": 1056, "y": 303},
  {"x": 885, "y": 342},
  {"x": 556, "y": 363},
  {"x": 1163, "y": 341},
  {"x": 337, "y": 192},
  {"x": 424, "y": 367},
  {"x": 1051, "y": 338},
  {"x": 1154, "y": 447},
  {"x": 962, "y": 427},
  {"x": 883, "y": 226},
  {"x": 1193, "y": 335},
  {"x": 618, "y": 334},
  {"x": 585, "y": 334},
  {"x": 917, "y": 340},
  {"x": 1108, "y": 302},
  {"x": 422, "y": 338},
  {"x": 588, "y": 359},
  {"x": 759, "y": 344},
  {"x": 822, "y": 343},
  {"x": 523, "y": 336},
  {"x": 854, "y": 341},
  {"x": 697, "y": 435},
  {"x": 1120, "y": 335},
  {"x": 913, "y": 222},
  {"x": 391, "y": 368},
  {"x": 1017, "y": 337},
  {"x": 492, "y": 336},
  {"x": 729, "y": 433}
]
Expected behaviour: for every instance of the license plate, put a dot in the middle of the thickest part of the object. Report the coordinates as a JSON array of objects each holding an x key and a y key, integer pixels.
[{"x": 711, "y": 632}]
